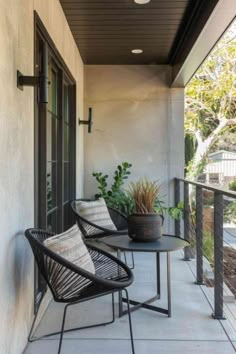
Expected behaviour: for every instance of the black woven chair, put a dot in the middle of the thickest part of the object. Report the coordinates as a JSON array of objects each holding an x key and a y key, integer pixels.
[
  {"x": 71, "y": 284},
  {"x": 93, "y": 231}
]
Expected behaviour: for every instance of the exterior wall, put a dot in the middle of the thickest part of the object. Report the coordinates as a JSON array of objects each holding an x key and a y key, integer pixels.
[
  {"x": 137, "y": 118},
  {"x": 17, "y": 155}
]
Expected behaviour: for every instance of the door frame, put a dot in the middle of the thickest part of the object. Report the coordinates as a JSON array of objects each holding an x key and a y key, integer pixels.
[{"x": 40, "y": 30}]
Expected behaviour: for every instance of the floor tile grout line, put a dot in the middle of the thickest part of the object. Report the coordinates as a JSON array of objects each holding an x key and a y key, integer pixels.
[{"x": 140, "y": 339}]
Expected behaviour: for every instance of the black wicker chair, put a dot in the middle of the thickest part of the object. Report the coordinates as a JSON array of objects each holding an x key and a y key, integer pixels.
[
  {"x": 71, "y": 284},
  {"x": 93, "y": 231}
]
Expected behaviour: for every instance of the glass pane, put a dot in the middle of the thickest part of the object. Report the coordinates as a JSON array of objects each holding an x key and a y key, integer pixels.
[
  {"x": 54, "y": 138},
  {"x": 66, "y": 104},
  {"x": 66, "y": 142},
  {"x": 54, "y": 92},
  {"x": 51, "y": 185},
  {"x": 66, "y": 180},
  {"x": 52, "y": 221},
  {"x": 66, "y": 216},
  {"x": 51, "y": 138},
  {"x": 52, "y": 89}
]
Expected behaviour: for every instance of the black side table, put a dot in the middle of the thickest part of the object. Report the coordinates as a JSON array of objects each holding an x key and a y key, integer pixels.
[{"x": 167, "y": 243}]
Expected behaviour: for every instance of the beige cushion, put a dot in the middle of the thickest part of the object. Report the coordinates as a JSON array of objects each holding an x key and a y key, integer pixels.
[
  {"x": 70, "y": 245},
  {"x": 97, "y": 213}
]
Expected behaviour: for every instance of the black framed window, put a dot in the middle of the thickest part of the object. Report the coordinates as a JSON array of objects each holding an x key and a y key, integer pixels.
[{"x": 55, "y": 132}]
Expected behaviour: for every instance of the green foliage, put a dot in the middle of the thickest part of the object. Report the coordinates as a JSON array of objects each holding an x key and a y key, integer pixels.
[
  {"x": 118, "y": 198},
  {"x": 208, "y": 246},
  {"x": 121, "y": 201},
  {"x": 232, "y": 185},
  {"x": 190, "y": 148},
  {"x": 196, "y": 169},
  {"x": 210, "y": 102},
  {"x": 121, "y": 174},
  {"x": 115, "y": 197},
  {"x": 175, "y": 213},
  {"x": 230, "y": 212},
  {"x": 102, "y": 184}
]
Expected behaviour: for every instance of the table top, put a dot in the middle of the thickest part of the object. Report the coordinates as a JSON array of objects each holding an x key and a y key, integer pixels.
[{"x": 167, "y": 243}]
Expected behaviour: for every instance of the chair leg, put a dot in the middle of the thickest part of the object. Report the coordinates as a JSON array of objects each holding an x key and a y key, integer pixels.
[
  {"x": 132, "y": 254},
  {"x": 125, "y": 258},
  {"x": 33, "y": 339},
  {"x": 30, "y": 338},
  {"x": 130, "y": 322},
  {"x": 62, "y": 327},
  {"x": 69, "y": 330}
]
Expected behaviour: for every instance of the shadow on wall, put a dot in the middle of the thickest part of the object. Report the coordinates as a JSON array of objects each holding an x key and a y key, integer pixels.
[
  {"x": 22, "y": 261},
  {"x": 19, "y": 286}
]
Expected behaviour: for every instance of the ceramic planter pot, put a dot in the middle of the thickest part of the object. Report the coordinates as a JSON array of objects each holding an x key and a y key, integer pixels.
[{"x": 145, "y": 227}]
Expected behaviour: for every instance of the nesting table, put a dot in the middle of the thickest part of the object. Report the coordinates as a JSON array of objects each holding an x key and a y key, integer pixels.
[{"x": 167, "y": 244}]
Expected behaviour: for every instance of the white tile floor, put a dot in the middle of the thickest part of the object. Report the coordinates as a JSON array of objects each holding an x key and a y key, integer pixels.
[{"x": 190, "y": 330}]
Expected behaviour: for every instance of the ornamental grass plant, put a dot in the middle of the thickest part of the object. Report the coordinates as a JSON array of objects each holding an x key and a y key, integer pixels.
[{"x": 144, "y": 194}]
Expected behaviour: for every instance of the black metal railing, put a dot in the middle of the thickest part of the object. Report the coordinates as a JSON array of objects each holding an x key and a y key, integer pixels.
[{"x": 206, "y": 236}]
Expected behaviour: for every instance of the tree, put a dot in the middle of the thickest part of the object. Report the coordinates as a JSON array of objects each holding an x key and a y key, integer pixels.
[{"x": 211, "y": 101}]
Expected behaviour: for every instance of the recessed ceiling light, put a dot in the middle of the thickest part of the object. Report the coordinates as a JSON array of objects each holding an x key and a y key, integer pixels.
[
  {"x": 137, "y": 51},
  {"x": 141, "y": 2}
]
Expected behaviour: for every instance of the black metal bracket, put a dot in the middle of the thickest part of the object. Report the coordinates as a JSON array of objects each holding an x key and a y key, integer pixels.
[
  {"x": 88, "y": 122},
  {"x": 41, "y": 81},
  {"x": 23, "y": 80}
]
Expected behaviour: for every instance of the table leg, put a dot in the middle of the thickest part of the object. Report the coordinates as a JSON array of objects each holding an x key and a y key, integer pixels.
[
  {"x": 120, "y": 302},
  {"x": 147, "y": 304},
  {"x": 168, "y": 284},
  {"x": 158, "y": 275}
]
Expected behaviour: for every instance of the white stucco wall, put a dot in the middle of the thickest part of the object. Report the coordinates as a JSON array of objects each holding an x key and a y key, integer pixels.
[
  {"x": 17, "y": 156},
  {"x": 137, "y": 118}
]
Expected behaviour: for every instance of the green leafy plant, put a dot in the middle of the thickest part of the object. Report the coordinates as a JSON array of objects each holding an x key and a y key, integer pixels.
[
  {"x": 232, "y": 185},
  {"x": 102, "y": 184},
  {"x": 115, "y": 197},
  {"x": 230, "y": 212},
  {"x": 177, "y": 212},
  {"x": 118, "y": 198},
  {"x": 208, "y": 246}
]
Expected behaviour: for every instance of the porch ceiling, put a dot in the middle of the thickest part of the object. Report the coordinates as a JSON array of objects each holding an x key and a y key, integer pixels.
[{"x": 107, "y": 30}]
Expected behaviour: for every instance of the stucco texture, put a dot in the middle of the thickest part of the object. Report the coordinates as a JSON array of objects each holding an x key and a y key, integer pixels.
[
  {"x": 137, "y": 118},
  {"x": 17, "y": 156}
]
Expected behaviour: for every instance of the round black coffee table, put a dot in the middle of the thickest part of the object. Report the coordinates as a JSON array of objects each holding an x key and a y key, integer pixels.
[{"x": 167, "y": 243}]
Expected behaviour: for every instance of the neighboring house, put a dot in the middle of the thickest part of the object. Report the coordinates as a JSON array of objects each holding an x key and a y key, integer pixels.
[{"x": 220, "y": 169}]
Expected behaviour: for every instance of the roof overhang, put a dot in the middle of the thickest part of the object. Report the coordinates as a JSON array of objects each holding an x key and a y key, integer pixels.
[
  {"x": 221, "y": 17},
  {"x": 180, "y": 33}
]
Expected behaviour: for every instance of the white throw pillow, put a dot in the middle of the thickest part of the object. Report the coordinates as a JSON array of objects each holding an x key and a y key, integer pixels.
[
  {"x": 70, "y": 245},
  {"x": 97, "y": 213}
]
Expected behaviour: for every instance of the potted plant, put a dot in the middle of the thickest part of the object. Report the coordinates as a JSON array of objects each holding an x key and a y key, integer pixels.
[
  {"x": 115, "y": 194},
  {"x": 144, "y": 224}
]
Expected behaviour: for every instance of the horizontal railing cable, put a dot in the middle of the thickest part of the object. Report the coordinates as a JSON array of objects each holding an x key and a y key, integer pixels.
[{"x": 212, "y": 244}]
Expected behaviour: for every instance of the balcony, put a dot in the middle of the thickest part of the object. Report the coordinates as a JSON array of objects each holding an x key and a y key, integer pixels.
[
  {"x": 191, "y": 328},
  {"x": 59, "y": 59}
]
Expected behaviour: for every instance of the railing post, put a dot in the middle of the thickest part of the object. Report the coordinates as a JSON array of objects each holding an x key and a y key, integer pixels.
[
  {"x": 177, "y": 200},
  {"x": 186, "y": 221},
  {"x": 199, "y": 235},
  {"x": 218, "y": 254}
]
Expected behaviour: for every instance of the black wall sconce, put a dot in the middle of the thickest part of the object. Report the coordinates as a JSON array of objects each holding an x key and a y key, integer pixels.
[
  {"x": 41, "y": 81},
  {"x": 88, "y": 122}
]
